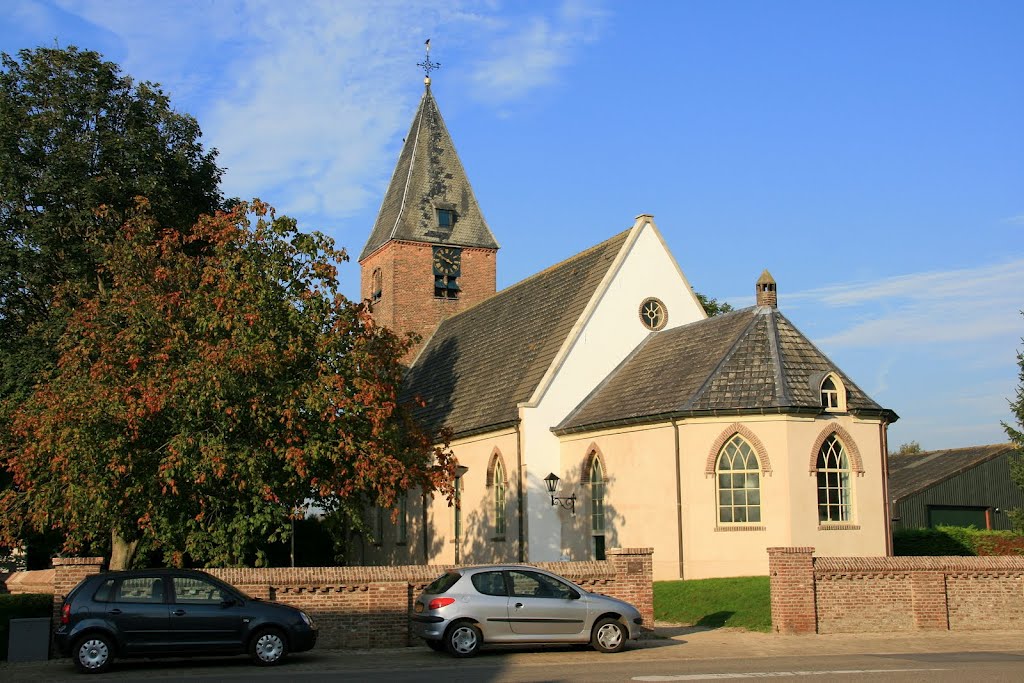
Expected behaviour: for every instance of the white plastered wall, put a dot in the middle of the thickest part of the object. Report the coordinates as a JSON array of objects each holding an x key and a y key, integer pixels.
[
  {"x": 607, "y": 332},
  {"x": 641, "y": 496}
]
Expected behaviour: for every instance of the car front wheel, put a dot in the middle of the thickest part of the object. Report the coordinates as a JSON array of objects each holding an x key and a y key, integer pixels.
[
  {"x": 463, "y": 639},
  {"x": 93, "y": 653},
  {"x": 268, "y": 647},
  {"x": 609, "y": 636}
]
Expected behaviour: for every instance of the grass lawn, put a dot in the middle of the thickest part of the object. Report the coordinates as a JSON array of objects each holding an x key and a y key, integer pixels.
[{"x": 740, "y": 602}]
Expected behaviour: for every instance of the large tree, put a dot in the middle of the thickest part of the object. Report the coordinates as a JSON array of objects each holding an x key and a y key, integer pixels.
[
  {"x": 712, "y": 306},
  {"x": 214, "y": 384},
  {"x": 79, "y": 141}
]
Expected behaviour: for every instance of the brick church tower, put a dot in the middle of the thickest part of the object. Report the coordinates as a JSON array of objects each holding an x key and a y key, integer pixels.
[{"x": 430, "y": 254}]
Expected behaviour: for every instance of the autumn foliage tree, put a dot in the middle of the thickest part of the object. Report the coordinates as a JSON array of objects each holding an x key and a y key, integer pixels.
[{"x": 217, "y": 383}]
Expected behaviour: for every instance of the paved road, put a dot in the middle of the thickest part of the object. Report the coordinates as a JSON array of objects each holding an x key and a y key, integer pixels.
[{"x": 678, "y": 655}]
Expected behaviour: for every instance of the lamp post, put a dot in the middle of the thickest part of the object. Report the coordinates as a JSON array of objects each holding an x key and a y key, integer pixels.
[{"x": 566, "y": 502}]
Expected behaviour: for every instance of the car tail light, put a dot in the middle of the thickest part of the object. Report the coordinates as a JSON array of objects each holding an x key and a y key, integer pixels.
[
  {"x": 65, "y": 614},
  {"x": 438, "y": 603}
]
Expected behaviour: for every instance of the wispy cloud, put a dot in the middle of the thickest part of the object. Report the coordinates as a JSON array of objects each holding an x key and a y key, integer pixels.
[
  {"x": 307, "y": 101},
  {"x": 970, "y": 304},
  {"x": 533, "y": 51},
  {"x": 1015, "y": 220}
]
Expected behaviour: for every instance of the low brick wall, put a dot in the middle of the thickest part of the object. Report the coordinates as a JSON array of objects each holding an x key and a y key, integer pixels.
[
  {"x": 368, "y": 607},
  {"x": 881, "y": 594}
]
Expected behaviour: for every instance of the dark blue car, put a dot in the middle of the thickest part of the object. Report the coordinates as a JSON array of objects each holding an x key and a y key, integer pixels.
[{"x": 174, "y": 613}]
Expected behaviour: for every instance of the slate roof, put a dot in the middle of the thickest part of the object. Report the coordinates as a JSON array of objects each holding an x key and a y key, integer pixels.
[
  {"x": 913, "y": 473},
  {"x": 429, "y": 176},
  {"x": 751, "y": 360},
  {"x": 479, "y": 364}
]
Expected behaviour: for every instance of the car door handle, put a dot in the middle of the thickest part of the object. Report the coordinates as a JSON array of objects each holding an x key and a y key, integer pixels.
[
  {"x": 519, "y": 605},
  {"x": 178, "y": 612},
  {"x": 114, "y": 612}
]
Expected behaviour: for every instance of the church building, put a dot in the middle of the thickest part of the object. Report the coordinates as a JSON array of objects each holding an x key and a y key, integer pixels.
[{"x": 595, "y": 405}]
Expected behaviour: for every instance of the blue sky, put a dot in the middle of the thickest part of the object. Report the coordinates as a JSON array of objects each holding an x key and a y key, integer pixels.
[{"x": 869, "y": 154}]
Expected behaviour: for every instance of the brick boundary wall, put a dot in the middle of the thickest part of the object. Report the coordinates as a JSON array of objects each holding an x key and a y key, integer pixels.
[
  {"x": 883, "y": 594},
  {"x": 368, "y": 607}
]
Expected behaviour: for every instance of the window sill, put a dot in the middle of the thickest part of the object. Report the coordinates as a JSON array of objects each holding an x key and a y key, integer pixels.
[
  {"x": 838, "y": 526},
  {"x": 498, "y": 539},
  {"x": 741, "y": 527},
  {"x": 401, "y": 543}
]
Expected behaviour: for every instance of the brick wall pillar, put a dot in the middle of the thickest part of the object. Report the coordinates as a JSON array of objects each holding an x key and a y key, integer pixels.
[
  {"x": 634, "y": 579},
  {"x": 928, "y": 599},
  {"x": 791, "y": 572},
  {"x": 67, "y": 572}
]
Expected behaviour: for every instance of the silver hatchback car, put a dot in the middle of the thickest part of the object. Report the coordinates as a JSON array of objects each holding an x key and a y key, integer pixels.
[{"x": 465, "y": 608}]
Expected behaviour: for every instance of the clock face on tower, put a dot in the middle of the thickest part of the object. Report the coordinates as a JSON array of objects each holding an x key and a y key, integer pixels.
[{"x": 447, "y": 261}]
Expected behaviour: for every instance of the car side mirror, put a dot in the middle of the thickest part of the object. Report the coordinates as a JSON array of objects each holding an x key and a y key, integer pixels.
[
  {"x": 228, "y": 602},
  {"x": 574, "y": 595}
]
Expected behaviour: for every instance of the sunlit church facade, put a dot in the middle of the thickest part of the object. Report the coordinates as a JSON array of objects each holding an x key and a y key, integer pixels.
[{"x": 708, "y": 439}]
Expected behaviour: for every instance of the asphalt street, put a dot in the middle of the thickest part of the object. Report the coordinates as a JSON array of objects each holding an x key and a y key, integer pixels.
[{"x": 676, "y": 654}]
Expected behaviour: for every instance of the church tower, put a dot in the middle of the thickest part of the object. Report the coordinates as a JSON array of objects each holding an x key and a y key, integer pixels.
[{"x": 430, "y": 254}]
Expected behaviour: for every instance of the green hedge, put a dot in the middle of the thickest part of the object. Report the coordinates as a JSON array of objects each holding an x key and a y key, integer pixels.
[
  {"x": 21, "y": 607},
  {"x": 954, "y": 540}
]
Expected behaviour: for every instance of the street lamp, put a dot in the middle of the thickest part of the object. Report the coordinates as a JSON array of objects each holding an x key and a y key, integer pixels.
[{"x": 566, "y": 502}]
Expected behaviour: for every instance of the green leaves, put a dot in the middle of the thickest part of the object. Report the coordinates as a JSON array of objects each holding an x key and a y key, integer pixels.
[{"x": 217, "y": 382}]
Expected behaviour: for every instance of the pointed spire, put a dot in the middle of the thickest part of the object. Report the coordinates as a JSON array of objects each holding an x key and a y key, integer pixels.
[
  {"x": 429, "y": 198},
  {"x": 765, "y": 290}
]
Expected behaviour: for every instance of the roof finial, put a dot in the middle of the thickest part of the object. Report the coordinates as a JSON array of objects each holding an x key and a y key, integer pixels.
[{"x": 428, "y": 66}]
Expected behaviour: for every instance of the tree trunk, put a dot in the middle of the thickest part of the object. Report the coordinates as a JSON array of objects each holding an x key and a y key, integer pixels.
[{"x": 122, "y": 551}]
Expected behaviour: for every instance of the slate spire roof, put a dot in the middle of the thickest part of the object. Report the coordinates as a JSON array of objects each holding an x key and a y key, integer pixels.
[
  {"x": 480, "y": 364},
  {"x": 748, "y": 361},
  {"x": 427, "y": 177}
]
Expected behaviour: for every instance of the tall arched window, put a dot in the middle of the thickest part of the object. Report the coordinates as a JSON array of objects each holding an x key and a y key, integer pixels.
[
  {"x": 499, "y": 499},
  {"x": 739, "y": 483},
  {"x": 597, "y": 507},
  {"x": 376, "y": 285},
  {"x": 833, "y": 482}
]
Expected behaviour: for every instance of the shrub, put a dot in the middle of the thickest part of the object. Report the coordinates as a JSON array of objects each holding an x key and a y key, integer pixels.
[
  {"x": 21, "y": 607},
  {"x": 952, "y": 540}
]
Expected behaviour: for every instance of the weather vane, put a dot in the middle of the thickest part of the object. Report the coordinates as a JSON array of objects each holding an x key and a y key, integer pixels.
[{"x": 428, "y": 65}]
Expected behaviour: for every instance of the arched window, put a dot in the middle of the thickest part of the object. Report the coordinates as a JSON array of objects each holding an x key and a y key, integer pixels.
[
  {"x": 499, "y": 499},
  {"x": 739, "y": 483},
  {"x": 376, "y": 285},
  {"x": 833, "y": 482},
  {"x": 597, "y": 507}
]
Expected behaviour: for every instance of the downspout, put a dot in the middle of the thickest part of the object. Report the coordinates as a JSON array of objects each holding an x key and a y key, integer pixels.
[
  {"x": 883, "y": 439},
  {"x": 521, "y": 493},
  {"x": 679, "y": 497},
  {"x": 426, "y": 531}
]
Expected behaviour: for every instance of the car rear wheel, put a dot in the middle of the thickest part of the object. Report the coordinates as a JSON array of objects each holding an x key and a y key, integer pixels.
[
  {"x": 463, "y": 639},
  {"x": 93, "y": 653},
  {"x": 268, "y": 647},
  {"x": 609, "y": 636}
]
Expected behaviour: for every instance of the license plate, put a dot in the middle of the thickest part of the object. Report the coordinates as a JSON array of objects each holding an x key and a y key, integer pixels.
[{"x": 419, "y": 607}]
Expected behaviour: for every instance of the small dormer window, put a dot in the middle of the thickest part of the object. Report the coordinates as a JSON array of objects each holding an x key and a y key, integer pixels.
[
  {"x": 833, "y": 396},
  {"x": 445, "y": 218}
]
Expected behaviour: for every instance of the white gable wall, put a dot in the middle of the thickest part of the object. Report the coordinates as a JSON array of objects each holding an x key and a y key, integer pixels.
[{"x": 609, "y": 330}]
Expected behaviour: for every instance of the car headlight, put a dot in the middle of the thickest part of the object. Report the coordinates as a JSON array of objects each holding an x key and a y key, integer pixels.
[{"x": 305, "y": 618}]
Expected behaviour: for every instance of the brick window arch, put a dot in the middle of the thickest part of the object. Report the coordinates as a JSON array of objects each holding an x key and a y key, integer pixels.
[
  {"x": 849, "y": 446},
  {"x": 750, "y": 437}
]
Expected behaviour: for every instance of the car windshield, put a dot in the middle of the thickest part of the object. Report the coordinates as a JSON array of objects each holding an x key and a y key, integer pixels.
[{"x": 443, "y": 583}]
